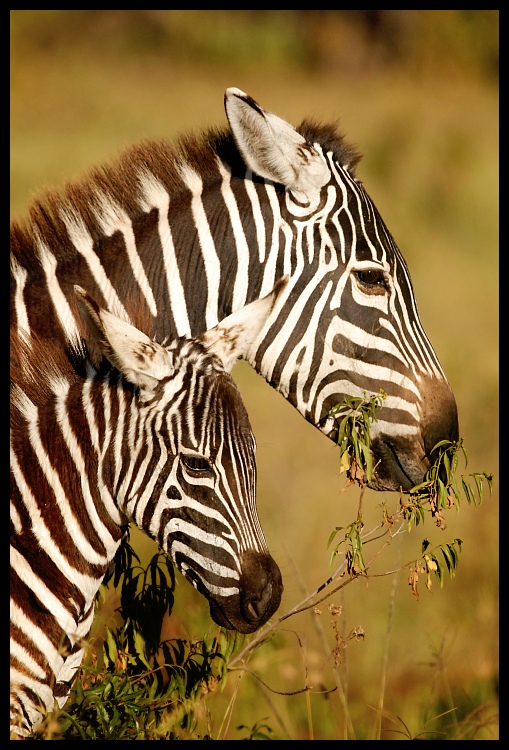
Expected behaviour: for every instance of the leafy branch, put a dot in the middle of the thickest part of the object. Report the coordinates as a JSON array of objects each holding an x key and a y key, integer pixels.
[
  {"x": 441, "y": 489},
  {"x": 429, "y": 563},
  {"x": 134, "y": 686},
  {"x": 355, "y": 415},
  {"x": 353, "y": 547}
]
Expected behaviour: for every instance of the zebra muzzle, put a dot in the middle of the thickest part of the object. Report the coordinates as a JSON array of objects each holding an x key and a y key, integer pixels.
[{"x": 259, "y": 595}]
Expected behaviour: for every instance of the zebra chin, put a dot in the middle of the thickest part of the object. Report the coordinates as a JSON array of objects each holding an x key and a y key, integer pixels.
[
  {"x": 400, "y": 465},
  {"x": 403, "y": 447},
  {"x": 260, "y": 591},
  {"x": 402, "y": 460}
]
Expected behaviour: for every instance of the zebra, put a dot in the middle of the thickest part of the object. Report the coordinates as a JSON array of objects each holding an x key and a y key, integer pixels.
[
  {"x": 157, "y": 435},
  {"x": 197, "y": 229}
]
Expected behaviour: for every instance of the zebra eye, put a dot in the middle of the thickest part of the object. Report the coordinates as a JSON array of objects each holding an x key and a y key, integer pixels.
[
  {"x": 196, "y": 463},
  {"x": 371, "y": 277}
]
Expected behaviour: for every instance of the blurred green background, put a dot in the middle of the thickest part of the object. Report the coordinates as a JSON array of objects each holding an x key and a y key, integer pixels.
[{"x": 417, "y": 92}]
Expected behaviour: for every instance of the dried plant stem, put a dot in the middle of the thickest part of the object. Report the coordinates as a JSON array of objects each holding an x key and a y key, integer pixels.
[
  {"x": 310, "y": 601},
  {"x": 390, "y": 622},
  {"x": 229, "y": 711}
]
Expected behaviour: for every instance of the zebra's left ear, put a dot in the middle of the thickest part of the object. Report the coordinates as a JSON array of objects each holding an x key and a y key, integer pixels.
[
  {"x": 233, "y": 336},
  {"x": 141, "y": 360},
  {"x": 272, "y": 148}
]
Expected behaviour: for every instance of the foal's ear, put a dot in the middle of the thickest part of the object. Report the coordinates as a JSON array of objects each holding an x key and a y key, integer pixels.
[
  {"x": 233, "y": 336},
  {"x": 141, "y": 360}
]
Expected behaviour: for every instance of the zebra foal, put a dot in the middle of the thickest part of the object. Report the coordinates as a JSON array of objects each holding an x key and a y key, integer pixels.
[{"x": 154, "y": 434}]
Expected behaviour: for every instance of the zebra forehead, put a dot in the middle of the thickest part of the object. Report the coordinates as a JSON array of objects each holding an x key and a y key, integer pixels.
[{"x": 191, "y": 352}]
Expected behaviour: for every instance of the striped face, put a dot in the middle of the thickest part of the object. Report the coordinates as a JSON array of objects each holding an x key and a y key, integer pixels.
[
  {"x": 188, "y": 476},
  {"x": 348, "y": 324},
  {"x": 205, "y": 518},
  {"x": 158, "y": 435},
  {"x": 355, "y": 329}
]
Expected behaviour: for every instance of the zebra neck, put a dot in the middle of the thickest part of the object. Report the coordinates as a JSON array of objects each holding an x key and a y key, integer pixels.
[{"x": 172, "y": 266}]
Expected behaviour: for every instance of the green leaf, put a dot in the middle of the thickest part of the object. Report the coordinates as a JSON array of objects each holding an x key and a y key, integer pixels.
[
  {"x": 438, "y": 571},
  {"x": 448, "y": 557},
  {"x": 368, "y": 460},
  {"x": 110, "y": 647},
  {"x": 442, "y": 494},
  {"x": 466, "y": 490},
  {"x": 338, "y": 528}
]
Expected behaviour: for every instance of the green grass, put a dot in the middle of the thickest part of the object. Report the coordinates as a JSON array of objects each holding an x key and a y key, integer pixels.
[{"x": 431, "y": 166}]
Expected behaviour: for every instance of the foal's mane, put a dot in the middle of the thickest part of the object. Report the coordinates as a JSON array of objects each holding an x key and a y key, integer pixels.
[{"x": 36, "y": 364}]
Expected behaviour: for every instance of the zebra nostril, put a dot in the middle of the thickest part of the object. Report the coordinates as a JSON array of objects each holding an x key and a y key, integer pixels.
[
  {"x": 251, "y": 613},
  {"x": 256, "y": 607},
  {"x": 265, "y": 599}
]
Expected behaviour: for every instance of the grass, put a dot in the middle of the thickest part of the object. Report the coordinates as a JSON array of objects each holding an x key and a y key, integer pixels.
[
  {"x": 125, "y": 692},
  {"x": 431, "y": 166}
]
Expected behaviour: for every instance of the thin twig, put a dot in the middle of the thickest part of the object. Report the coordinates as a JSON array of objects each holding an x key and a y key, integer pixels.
[
  {"x": 390, "y": 621},
  {"x": 310, "y": 601},
  {"x": 301, "y": 607},
  {"x": 317, "y": 622},
  {"x": 361, "y": 495},
  {"x": 306, "y": 689}
]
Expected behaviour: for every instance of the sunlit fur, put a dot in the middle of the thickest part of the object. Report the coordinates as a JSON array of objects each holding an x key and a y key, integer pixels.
[{"x": 191, "y": 231}]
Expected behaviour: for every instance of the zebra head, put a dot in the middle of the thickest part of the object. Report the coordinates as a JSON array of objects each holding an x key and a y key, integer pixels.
[
  {"x": 347, "y": 324},
  {"x": 192, "y": 485}
]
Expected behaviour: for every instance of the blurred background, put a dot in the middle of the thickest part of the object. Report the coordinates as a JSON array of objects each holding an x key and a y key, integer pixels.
[{"x": 417, "y": 92}]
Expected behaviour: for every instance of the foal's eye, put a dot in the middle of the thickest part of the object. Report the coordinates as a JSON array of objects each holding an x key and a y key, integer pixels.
[{"x": 196, "y": 463}]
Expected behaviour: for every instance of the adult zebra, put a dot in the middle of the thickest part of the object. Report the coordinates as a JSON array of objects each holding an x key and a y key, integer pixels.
[
  {"x": 199, "y": 229},
  {"x": 90, "y": 452}
]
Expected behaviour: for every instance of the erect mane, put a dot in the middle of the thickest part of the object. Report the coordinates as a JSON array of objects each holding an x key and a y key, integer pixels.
[
  {"x": 330, "y": 139},
  {"x": 119, "y": 181}
]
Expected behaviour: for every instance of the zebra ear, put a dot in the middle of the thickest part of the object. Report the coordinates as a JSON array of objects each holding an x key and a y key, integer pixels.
[
  {"x": 141, "y": 360},
  {"x": 272, "y": 148},
  {"x": 233, "y": 336}
]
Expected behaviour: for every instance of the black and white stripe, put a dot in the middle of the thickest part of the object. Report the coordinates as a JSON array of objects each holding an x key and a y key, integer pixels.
[
  {"x": 182, "y": 236},
  {"x": 198, "y": 230},
  {"x": 157, "y": 435}
]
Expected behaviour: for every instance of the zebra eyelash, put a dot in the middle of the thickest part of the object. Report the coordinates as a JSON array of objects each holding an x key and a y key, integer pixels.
[
  {"x": 196, "y": 465},
  {"x": 372, "y": 280}
]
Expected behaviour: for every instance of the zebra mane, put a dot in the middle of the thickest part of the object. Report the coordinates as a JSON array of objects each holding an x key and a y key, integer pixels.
[
  {"x": 329, "y": 138},
  {"x": 37, "y": 367},
  {"x": 119, "y": 181}
]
